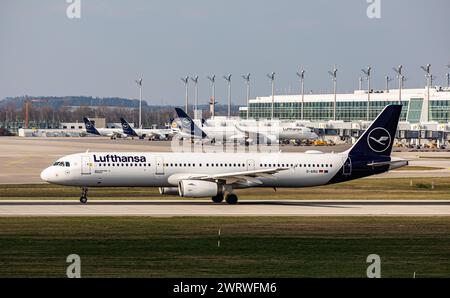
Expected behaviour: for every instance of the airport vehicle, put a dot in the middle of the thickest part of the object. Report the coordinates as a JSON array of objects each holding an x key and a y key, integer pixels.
[
  {"x": 113, "y": 133},
  {"x": 143, "y": 133},
  {"x": 242, "y": 133},
  {"x": 217, "y": 175}
]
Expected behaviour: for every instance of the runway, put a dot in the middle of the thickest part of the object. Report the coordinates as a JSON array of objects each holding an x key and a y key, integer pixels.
[{"x": 172, "y": 208}]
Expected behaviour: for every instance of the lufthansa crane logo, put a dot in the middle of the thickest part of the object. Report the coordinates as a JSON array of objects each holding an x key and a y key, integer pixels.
[
  {"x": 186, "y": 122},
  {"x": 88, "y": 125},
  {"x": 379, "y": 139},
  {"x": 125, "y": 126}
]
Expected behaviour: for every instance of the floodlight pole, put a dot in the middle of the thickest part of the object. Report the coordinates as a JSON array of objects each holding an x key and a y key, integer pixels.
[
  {"x": 301, "y": 75},
  {"x": 272, "y": 78},
  {"x": 139, "y": 83},
  {"x": 367, "y": 73},
  {"x": 195, "y": 80},
  {"x": 212, "y": 79},
  {"x": 447, "y": 75},
  {"x": 388, "y": 79},
  {"x": 186, "y": 97},
  {"x": 247, "y": 80},
  {"x": 228, "y": 79},
  {"x": 400, "y": 82},
  {"x": 427, "y": 69},
  {"x": 333, "y": 73}
]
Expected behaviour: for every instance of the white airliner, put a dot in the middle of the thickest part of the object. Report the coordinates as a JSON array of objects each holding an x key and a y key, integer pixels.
[
  {"x": 105, "y": 132},
  {"x": 216, "y": 175},
  {"x": 142, "y": 133},
  {"x": 240, "y": 133}
]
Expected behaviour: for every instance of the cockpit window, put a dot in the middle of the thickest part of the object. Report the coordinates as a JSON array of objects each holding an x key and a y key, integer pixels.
[
  {"x": 67, "y": 164},
  {"x": 61, "y": 164}
]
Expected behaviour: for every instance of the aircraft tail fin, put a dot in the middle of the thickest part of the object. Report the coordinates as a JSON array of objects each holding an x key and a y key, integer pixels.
[
  {"x": 378, "y": 139},
  {"x": 188, "y": 126},
  {"x": 127, "y": 128},
  {"x": 90, "y": 127}
]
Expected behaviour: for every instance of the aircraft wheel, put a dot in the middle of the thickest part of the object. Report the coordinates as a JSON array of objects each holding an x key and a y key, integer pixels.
[
  {"x": 231, "y": 199},
  {"x": 83, "y": 198},
  {"x": 218, "y": 199}
]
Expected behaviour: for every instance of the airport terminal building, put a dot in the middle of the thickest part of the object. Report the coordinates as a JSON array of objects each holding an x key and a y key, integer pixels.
[
  {"x": 425, "y": 116},
  {"x": 420, "y": 106}
]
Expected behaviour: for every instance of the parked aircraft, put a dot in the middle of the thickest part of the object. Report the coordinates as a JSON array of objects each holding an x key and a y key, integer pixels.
[
  {"x": 113, "y": 133},
  {"x": 142, "y": 133},
  {"x": 241, "y": 133}
]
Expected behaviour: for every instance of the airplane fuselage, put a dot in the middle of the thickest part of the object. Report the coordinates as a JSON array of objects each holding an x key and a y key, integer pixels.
[{"x": 167, "y": 169}]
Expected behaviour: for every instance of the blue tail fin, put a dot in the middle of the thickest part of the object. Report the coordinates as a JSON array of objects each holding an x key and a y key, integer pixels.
[
  {"x": 90, "y": 127},
  {"x": 378, "y": 139},
  {"x": 127, "y": 128},
  {"x": 188, "y": 126}
]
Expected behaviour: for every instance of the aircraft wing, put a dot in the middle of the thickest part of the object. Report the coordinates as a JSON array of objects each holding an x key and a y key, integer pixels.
[{"x": 244, "y": 177}]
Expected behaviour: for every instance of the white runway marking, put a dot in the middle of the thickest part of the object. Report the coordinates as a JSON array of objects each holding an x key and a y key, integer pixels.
[{"x": 207, "y": 208}]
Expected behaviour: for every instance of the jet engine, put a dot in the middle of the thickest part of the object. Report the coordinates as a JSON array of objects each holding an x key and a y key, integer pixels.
[{"x": 198, "y": 188}]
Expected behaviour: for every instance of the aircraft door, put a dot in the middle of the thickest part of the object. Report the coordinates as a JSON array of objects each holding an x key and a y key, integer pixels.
[
  {"x": 250, "y": 165},
  {"x": 159, "y": 165},
  {"x": 347, "y": 168},
  {"x": 86, "y": 165}
]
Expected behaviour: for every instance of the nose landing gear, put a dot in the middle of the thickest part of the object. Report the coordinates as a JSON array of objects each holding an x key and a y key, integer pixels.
[{"x": 83, "y": 197}]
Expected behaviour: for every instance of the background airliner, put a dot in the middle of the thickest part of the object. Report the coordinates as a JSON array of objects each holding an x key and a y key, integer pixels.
[
  {"x": 106, "y": 132},
  {"x": 217, "y": 175},
  {"x": 142, "y": 133},
  {"x": 241, "y": 133}
]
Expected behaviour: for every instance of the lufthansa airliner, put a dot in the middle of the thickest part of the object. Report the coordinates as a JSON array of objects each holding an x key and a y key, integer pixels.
[{"x": 217, "y": 175}]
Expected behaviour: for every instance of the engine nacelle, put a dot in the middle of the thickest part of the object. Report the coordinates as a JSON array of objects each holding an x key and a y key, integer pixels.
[
  {"x": 197, "y": 188},
  {"x": 168, "y": 190}
]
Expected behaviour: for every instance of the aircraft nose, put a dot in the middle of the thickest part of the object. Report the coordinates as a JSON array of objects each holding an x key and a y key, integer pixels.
[{"x": 45, "y": 175}]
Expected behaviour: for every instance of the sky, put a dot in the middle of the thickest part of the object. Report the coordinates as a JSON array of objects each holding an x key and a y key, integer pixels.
[{"x": 45, "y": 53}]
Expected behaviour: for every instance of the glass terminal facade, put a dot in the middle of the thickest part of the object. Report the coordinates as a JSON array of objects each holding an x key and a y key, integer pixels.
[{"x": 348, "y": 110}]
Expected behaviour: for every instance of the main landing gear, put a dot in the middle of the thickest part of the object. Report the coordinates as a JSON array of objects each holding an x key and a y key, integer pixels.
[
  {"x": 230, "y": 198},
  {"x": 84, "y": 198},
  {"x": 218, "y": 199}
]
